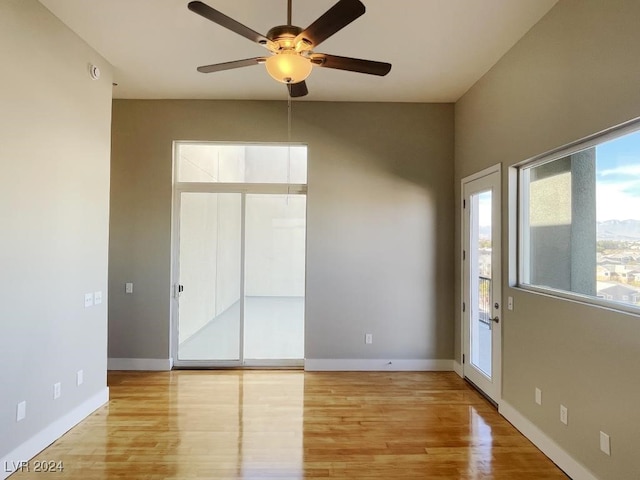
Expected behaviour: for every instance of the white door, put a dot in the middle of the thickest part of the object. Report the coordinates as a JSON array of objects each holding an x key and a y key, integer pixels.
[{"x": 482, "y": 303}]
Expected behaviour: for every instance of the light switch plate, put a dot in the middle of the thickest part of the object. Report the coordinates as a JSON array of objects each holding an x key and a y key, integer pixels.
[
  {"x": 605, "y": 443},
  {"x": 564, "y": 415},
  {"x": 21, "y": 411}
]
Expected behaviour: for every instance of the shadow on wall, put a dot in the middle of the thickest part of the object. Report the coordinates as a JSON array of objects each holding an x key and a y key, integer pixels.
[{"x": 398, "y": 228}]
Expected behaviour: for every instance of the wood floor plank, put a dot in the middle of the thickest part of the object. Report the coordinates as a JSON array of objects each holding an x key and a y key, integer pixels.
[{"x": 294, "y": 425}]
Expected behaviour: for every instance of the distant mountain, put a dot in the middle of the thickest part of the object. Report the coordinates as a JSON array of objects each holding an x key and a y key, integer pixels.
[
  {"x": 484, "y": 231},
  {"x": 621, "y": 230}
]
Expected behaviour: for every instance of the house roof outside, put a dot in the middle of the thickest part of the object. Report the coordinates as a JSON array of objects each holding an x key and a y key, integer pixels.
[{"x": 616, "y": 290}]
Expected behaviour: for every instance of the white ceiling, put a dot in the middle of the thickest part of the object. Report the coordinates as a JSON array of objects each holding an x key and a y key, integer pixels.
[{"x": 438, "y": 48}]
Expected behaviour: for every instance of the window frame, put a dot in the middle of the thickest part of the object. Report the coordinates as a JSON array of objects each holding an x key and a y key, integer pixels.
[
  {"x": 521, "y": 171},
  {"x": 293, "y": 187}
]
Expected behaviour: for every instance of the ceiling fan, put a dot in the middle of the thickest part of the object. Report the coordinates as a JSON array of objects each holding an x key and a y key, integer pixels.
[{"x": 291, "y": 56}]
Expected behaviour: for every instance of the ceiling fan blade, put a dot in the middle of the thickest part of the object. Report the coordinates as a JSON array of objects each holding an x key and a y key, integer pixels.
[
  {"x": 229, "y": 23},
  {"x": 298, "y": 89},
  {"x": 337, "y": 17},
  {"x": 352, "y": 64},
  {"x": 218, "y": 67}
]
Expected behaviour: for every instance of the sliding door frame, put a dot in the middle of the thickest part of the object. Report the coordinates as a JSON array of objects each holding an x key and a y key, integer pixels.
[{"x": 244, "y": 189}]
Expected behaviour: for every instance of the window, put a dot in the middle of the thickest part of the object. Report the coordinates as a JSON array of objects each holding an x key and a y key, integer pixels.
[
  {"x": 239, "y": 239},
  {"x": 580, "y": 221},
  {"x": 237, "y": 163}
]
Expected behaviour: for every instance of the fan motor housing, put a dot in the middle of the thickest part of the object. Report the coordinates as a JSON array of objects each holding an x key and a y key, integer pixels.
[
  {"x": 283, "y": 32},
  {"x": 282, "y": 37}
]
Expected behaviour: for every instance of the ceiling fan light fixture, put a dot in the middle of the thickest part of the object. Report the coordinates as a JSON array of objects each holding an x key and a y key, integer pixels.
[
  {"x": 291, "y": 57},
  {"x": 288, "y": 67}
]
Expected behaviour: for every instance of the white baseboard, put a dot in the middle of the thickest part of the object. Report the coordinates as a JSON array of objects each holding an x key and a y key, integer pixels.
[
  {"x": 147, "y": 364},
  {"x": 51, "y": 433},
  {"x": 457, "y": 367},
  {"x": 376, "y": 365},
  {"x": 550, "y": 448}
]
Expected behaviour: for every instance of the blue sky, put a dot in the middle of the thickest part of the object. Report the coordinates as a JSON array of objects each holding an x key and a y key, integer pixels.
[
  {"x": 617, "y": 181},
  {"x": 618, "y": 178}
]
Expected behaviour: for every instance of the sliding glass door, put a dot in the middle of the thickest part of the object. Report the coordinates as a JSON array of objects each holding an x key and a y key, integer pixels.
[
  {"x": 210, "y": 276},
  {"x": 239, "y": 264},
  {"x": 274, "y": 277}
]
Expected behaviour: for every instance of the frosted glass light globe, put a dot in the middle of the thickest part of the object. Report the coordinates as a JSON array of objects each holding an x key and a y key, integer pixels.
[{"x": 288, "y": 67}]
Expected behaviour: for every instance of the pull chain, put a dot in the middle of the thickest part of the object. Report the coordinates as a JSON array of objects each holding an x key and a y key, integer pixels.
[
  {"x": 288, "y": 145},
  {"x": 289, "y": 120}
]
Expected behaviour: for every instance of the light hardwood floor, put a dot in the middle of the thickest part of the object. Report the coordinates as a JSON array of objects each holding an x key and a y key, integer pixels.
[{"x": 291, "y": 425}]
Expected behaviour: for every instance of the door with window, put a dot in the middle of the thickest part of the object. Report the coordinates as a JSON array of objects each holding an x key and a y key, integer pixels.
[
  {"x": 481, "y": 285},
  {"x": 239, "y": 255}
]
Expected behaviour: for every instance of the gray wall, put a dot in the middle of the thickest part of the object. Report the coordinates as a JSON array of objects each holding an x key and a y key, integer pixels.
[
  {"x": 575, "y": 73},
  {"x": 380, "y": 225},
  {"x": 54, "y": 157}
]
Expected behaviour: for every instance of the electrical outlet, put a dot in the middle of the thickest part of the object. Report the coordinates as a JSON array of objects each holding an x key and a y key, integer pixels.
[
  {"x": 79, "y": 378},
  {"x": 128, "y": 287},
  {"x": 605, "y": 443},
  {"x": 538, "y": 396},
  {"x": 57, "y": 390},
  {"x": 97, "y": 298},
  {"x": 21, "y": 411},
  {"x": 368, "y": 338},
  {"x": 564, "y": 415},
  {"x": 88, "y": 300}
]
